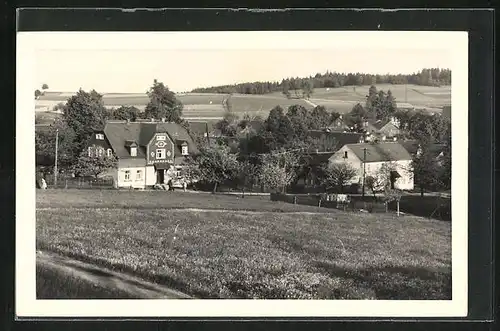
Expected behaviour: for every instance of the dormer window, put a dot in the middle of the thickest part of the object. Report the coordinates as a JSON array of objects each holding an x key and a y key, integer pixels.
[
  {"x": 99, "y": 136},
  {"x": 132, "y": 147},
  {"x": 345, "y": 155},
  {"x": 110, "y": 152}
]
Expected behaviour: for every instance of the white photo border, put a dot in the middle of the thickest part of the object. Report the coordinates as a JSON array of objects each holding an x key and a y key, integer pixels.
[{"x": 25, "y": 281}]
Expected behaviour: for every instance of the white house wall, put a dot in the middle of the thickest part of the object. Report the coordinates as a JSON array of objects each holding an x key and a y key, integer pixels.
[
  {"x": 403, "y": 167},
  {"x": 148, "y": 177},
  {"x": 405, "y": 182},
  {"x": 351, "y": 159}
]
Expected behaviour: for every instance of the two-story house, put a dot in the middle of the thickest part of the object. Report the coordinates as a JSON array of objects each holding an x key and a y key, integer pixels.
[
  {"x": 369, "y": 159},
  {"x": 148, "y": 152}
]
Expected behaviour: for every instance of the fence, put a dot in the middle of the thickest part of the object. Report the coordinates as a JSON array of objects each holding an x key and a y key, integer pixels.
[
  {"x": 320, "y": 200},
  {"x": 79, "y": 182},
  {"x": 427, "y": 206}
]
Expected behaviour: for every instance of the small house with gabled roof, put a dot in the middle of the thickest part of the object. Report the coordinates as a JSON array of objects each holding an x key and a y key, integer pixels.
[
  {"x": 388, "y": 127},
  {"x": 369, "y": 159}
]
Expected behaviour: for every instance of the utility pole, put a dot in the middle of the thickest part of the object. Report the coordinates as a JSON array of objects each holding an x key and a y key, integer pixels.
[
  {"x": 55, "y": 163},
  {"x": 364, "y": 171},
  {"x": 208, "y": 135}
]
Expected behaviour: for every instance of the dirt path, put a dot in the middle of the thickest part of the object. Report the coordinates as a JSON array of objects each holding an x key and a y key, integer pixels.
[
  {"x": 62, "y": 277},
  {"x": 310, "y": 102}
]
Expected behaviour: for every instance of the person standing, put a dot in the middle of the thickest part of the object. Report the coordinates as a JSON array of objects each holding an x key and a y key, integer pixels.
[{"x": 44, "y": 184}]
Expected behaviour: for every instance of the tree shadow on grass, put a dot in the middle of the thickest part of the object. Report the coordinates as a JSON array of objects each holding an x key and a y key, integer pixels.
[{"x": 396, "y": 283}]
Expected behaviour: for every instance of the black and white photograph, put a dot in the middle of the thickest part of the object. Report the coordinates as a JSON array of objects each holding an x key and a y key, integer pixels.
[{"x": 293, "y": 172}]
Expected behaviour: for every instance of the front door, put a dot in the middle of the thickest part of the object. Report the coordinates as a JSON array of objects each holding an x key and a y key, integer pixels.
[{"x": 160, "y": 176}]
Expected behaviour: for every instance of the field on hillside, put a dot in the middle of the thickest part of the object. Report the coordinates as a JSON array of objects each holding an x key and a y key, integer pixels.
[
  {"x": 46, "y": 117},
  {"x": 342, "y": 99},
  {"x": 258, "y": 253}
]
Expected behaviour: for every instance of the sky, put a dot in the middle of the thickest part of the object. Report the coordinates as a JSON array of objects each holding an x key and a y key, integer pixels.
[{"x": 117, "y": 67}]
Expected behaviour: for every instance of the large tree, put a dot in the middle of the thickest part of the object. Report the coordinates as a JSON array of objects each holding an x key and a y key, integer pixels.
[
  {"x": 215, "y": 164},
  {"x": 45, "y": 142},
  {"x": 279, "y": 129},
  {"x": 228, "y": 125},
  {"x": 300, "y": 119},
  {"x": 247, "y": 174},
  {"x": 426, "y": 168},
  {"x": 84, "y": 113},
  {"x": 279, "y": 169},
  {"x": 320, "y": 118},
  {"x": 126, "y": 113},
  {"x": 356, "y": 118},
  {"x": 163, "y": 104},
  {"x": 95, "y": 164},
  {"x": 337, "y": 175}
]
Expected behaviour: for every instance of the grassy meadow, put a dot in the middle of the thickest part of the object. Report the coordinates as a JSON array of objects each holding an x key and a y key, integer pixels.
[{"x": 216, "y": 246}]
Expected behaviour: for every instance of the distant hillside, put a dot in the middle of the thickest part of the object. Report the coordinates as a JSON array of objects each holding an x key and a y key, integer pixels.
[
  {"x": 203, "y": 106},
  {"x": 426, "y": 77}
]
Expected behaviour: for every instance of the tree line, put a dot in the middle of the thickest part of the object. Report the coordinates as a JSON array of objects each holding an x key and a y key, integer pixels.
[{"x": 288, "y": 86}]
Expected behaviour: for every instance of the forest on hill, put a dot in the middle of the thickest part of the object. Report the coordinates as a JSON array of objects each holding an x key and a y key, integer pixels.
[{"x": 426, "y": 77}]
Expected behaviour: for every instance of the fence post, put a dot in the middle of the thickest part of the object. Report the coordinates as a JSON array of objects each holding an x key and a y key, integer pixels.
[
  {"x": 66, "y": 184},
  {"x": 294, "y": 199},
  {"x": 90, "y": 183}
]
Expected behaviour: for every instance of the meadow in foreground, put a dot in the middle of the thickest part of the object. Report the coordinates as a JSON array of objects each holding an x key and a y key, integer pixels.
[{"x": 249, "y": 254}]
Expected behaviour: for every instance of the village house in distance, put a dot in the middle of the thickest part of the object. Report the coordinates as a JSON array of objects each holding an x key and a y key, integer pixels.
[
  {"x": 369, "y": 159},
  {"x": 149, "y": 152}
]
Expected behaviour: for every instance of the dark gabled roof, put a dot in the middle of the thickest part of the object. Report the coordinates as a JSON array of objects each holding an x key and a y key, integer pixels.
[
  {"x": 200, "y": 128},
  {"x": 410, "y": 145},
  {"x": 257, "y": 125},
  {"x": 121, "y": 133},
  {"x": 130, "y": 143},
  {"x": 341, "y": 138},
  {"x": 380, "y": 152},
  {"x": 378, "y": 124},
  {"x": 437, "y": 149},
  {"x": 118, "y": 132},
  {"x": 319, "y": 158}
]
